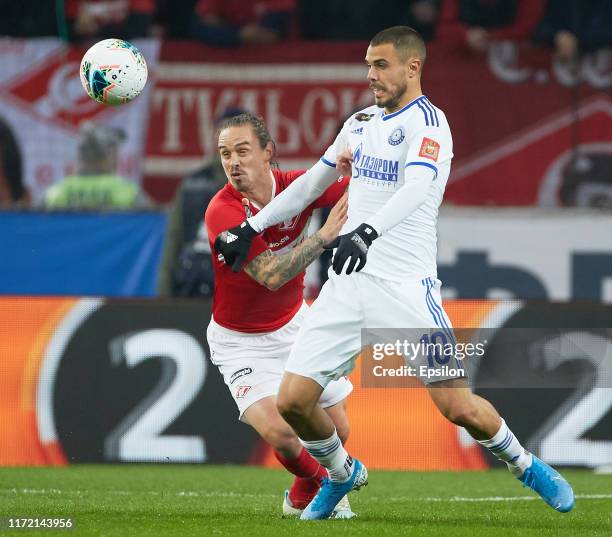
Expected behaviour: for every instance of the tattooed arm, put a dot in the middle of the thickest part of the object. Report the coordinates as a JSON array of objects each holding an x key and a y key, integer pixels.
[{"x": 274, "y": 271}]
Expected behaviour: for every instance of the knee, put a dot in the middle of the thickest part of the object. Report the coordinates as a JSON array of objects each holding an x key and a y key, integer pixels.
[{"x": 291, "y": 408}]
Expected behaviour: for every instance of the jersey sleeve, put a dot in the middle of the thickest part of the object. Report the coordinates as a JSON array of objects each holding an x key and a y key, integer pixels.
[
  {"x": 333, "y": 193},
  {"x": 431, "y": 145},
  {"x": 339, "y": 145},
  {"x": 220, "y": 217}
]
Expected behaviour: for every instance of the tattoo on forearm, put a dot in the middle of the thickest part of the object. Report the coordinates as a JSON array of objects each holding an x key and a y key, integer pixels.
[{"x": 274, "y": 271}]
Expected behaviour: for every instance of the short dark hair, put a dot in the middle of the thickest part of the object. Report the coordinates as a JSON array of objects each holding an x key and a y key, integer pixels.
[
  {"x": 407, "y": 41},
  {"x": 259, "y": 128}
]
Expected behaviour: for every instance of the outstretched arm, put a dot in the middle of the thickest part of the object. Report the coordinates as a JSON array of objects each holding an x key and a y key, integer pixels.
[
  {"x": 353, "y": 247},
  {"x": 429, "y": 148},
  {"x": 297, "y": 196},
  {"x": 406, "y": 200},
  {"x": 274, "y": 271}
]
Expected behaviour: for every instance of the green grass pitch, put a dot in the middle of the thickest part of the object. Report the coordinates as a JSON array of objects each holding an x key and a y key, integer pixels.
[{"x": 169, "y": 500}]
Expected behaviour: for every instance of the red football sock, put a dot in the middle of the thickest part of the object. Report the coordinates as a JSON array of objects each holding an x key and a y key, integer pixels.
[
  {"x": 303, "y": 491},
  {"x": 309, "y": 474}
]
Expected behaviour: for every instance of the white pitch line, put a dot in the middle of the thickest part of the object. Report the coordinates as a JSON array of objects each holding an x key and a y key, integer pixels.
[
  {"x": 477, "y": 499},
  {"x": 187, "y": 493},
  {"x": 182, "y": 493}
]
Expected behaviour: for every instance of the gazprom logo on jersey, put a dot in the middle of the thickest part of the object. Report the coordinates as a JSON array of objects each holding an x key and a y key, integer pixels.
[{"x": 365, "y": 165}]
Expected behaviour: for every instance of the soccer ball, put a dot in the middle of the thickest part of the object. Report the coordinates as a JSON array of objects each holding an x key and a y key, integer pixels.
[{"x": 113, "y": 72}]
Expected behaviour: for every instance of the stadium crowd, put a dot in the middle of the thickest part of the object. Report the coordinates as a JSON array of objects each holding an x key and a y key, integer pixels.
[{"x": 568, "y": 26}]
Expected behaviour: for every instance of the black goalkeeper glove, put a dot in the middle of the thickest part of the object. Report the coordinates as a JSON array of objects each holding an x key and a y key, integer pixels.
[
  {"x": 234, "y": 244},
  {"x": 353, "y": 246}
]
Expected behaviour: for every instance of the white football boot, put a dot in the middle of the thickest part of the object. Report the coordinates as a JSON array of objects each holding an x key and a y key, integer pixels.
[
  {"x": 288, "y": 509},
  {"x": 342, "y": 511}
]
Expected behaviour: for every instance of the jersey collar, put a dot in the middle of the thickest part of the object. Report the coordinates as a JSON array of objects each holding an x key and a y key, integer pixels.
[
  {"x": 273, "y": 191},
  {"x": 411, "y": 103}
]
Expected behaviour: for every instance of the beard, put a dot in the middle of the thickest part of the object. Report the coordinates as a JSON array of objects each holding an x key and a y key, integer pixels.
[
  {"x": 240, "y": 183},
  {"x": 392, "y": 102}
]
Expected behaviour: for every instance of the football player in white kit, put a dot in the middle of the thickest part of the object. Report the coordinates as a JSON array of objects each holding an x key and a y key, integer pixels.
[{"x": 400, "y": 152}]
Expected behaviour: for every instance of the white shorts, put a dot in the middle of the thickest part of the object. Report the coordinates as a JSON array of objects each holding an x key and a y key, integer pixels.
[
  {"x": 330, "y": 338},
  {"x": 252, "y": 365}
]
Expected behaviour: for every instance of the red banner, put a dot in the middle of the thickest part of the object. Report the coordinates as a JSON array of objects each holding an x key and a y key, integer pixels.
[{"x": 514, "y": 114}]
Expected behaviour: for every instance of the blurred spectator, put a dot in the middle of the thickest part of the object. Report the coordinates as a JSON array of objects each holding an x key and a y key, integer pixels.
[
  {"x": 92, "y": 19},
  {"x": 174, "y": 17},
  {"x": 335, "y": 19},
  {"x": 186, "y": 266},
  {"x": 96, "y": 185},
  {"x": 476, "y": 23},
  {"x": 28, "y": 19},
  {"x": 230, "y": 23},
  {"x": 575, "y": 26},
  {"x": 12, "y": 189},
  {"x": 422, "y": 15}
]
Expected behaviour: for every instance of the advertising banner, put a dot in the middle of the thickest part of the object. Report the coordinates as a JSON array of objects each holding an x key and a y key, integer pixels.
[
  {"x": 102, "y": 380},
  {"x": 557, "y": 254},
  {"x": 57, "y": 253}
]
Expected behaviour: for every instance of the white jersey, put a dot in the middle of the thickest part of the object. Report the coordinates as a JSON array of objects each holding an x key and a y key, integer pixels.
[{"x": 384, "y": 148}]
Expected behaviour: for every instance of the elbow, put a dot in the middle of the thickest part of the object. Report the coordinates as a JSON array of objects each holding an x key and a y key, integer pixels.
[
  {"x": 270, "y": 281},
  {"x": 273, "y": 283}
]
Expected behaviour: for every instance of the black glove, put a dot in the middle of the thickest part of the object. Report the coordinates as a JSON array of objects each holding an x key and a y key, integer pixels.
[
  {"x": 353, "y": 245},
  {"x": 234, "y": 244}
]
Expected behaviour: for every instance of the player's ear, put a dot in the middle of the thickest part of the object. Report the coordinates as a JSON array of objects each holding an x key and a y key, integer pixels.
[{"x": 414, "y": 67}]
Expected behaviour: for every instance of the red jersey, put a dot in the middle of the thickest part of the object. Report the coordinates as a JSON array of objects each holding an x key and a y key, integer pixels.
[{"x": 239, "y": 302}]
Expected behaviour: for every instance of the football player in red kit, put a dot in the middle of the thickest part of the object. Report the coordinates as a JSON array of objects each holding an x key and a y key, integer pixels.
[{"x": 257, "y": 311}]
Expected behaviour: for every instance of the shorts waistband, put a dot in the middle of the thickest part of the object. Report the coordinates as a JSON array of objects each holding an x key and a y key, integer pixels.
[{"x": 235, "y": 333}]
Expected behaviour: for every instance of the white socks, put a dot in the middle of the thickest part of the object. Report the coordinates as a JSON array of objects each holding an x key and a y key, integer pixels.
[
  {"x": 507, "y": 448},
  {"x": 332, "y": 455}
]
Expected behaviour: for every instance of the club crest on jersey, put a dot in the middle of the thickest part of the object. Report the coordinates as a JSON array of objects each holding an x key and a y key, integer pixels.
[
  {"x": 430, "y": 149},
  {"x": 361, "y": 116},
  {"x": 290, "y": 223},
  {"x": 397, "y": 136},
  {"x": 373, "y": 167},
  {"x": 241, "y": 391}
]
